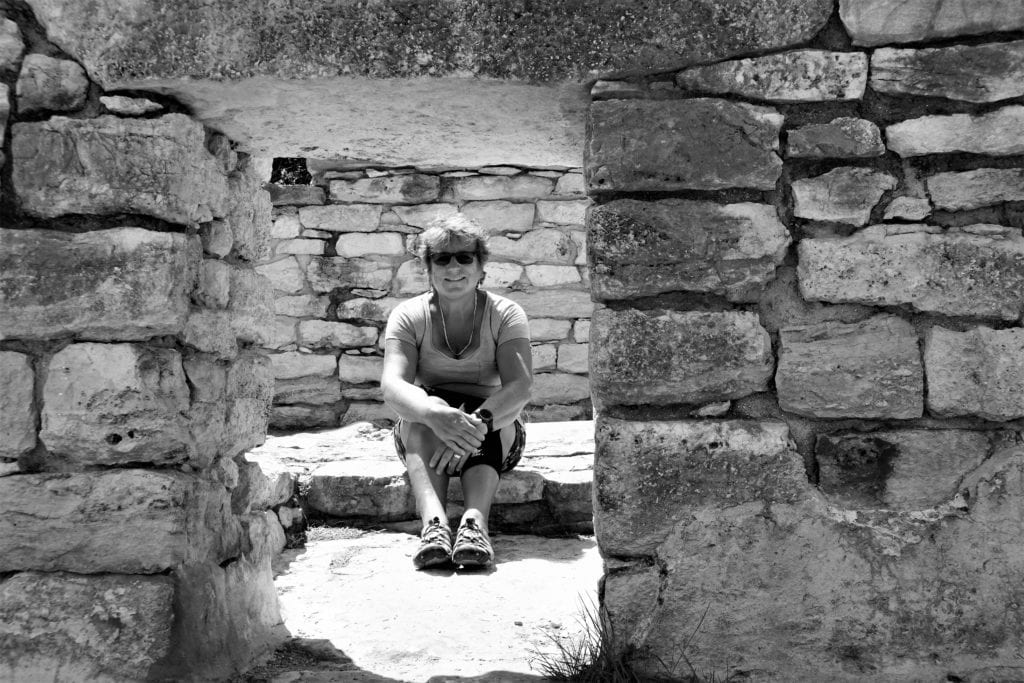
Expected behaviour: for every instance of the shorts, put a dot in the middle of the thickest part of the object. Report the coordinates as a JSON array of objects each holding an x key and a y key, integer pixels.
[{"x": 490, "y": 452}]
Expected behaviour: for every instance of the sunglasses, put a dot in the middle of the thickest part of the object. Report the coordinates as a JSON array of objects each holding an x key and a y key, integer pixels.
[{"x": 443, "y": 258}]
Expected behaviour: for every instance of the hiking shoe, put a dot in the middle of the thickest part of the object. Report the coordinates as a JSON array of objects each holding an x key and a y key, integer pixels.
[
  {"x": 435, "y": 545},
  {"x": 472, "y": 547}
]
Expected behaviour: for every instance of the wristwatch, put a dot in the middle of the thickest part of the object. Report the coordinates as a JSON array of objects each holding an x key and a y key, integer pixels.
[{"x": 487, "y": 417}]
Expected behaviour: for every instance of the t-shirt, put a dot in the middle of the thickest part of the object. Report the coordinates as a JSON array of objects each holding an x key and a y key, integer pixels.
[{"x": 503, "y": 320}]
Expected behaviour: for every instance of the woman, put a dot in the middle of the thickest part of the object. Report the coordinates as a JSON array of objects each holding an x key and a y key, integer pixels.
[{"x": 458, "y": 371}]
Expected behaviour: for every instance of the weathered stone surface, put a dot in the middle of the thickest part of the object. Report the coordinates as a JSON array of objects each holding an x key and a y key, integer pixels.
[
  {"x": 956, "y": 191},
  {"x": 285, "y": 275},
  {"x": 564, "y": 304},
  {"x": 571, "y": 212},
  {"x": 422, "y": 215},
  {"x": 581, "y": 331},
  {"x": 796, "y": 76},
  {"x": 411, "y": 278},
  {"x": 870, "y": 369},
  {"x": 286, "y": 226},
  {"x": 414, "y": 188},
  {"x": 361, "y": 308},
  {"x": 301, "y": 246},
  {"x": 999, "y": 133},
  {"x": 500, "y": 275},
  {"x": 908, "y": 209},
  {"x": 545, "y": 245},
  {"x": 302, "y": 306},
  {"x": 214, "y": 286},
  {"x": 698, "y": 144},
  {"x": 975, "y": 73},
  {"x": 341, "y": 218},
  {"x": 159, "y": 167},
  {"x": 360, "y": 369},
  {"x": 18, "y": 410},
  {"x": 499, "y": 187},
  {"x": 50, "y": 84},
  {"x": 114, "y": 404},
  {"x": 303, "y": 417},
  {"x": 640, "y": 248},
  {"x": 911, "y": 469},
  {"x": 875, "y": 22},
  {"x": 843, "y": 195},
  {"x": 216, "y": 238},
  {"x": 557, "y": 388},
  {"x": 250, "y": 388},
  {"x": 664, "y": 357},
  {"x": 978, "y": 372},
  {"x": 976, "y": 271},
  {"x": 124, "y": 283},
  {"x": 11, "y": 45},
  {"x": 545, "y": 357},
  {"x": 296, "y": 195},
  {"x": 545, "y": 329},
  {"x": 316, "y": 390},
  {"x": 842, "y": 138},
  {"x": 356, "y": 245},
  {"x": 326, "y": 273},
  {"x": 211, "y": 332},
  {"x": 130, "y": 521},
  {"x": 324, "y": 334},
  {"x": 553, "y": 276},
  {"x": 782, "y": 306},
  {"x": 248, "y": 212},
  {"x": 650, "y": 476},
  {"x": 251, "y": 304},
  {"x": 500, "y": 216},
  {"x": 573, "y": 358},
  {"x": 60, "y": 626},
  {"x": 130, "y": 106},
  {"x": 294, "y": 364}
]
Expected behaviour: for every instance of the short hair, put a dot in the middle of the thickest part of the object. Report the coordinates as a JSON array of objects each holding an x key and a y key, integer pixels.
[{"x": 442, "y": 232}]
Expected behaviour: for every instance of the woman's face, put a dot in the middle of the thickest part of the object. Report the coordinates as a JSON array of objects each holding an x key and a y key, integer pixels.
[{"x": 455, "y": 279}]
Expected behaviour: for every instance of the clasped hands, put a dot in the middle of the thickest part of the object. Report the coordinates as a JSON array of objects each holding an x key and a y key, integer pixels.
[{"x": 461, "y": 435}]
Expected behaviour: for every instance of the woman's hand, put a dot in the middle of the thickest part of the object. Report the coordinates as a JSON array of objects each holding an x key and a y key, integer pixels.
[{"x": 461, "y": 435}]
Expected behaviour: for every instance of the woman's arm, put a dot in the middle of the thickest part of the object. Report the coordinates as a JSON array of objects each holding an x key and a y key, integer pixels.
[{"x": 515, "y": 367}]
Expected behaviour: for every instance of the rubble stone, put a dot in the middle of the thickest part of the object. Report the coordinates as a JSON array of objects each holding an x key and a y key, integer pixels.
[
  {"x": 843, "y": 195},
  {"x": 544, "y": 245},
  {"x": 326, "y": 273},
  {"x": 11, "y": 45},
  {"x": 475, "y": 188},
  {"x": 293, "y": 364},
  {"x": 498, "y": 216},
  {"x": 50, "y": 84},
  {"x": 974, "y": 73},
  {"x": 957, "y": 191},
  {"x": 876, "y": 22},
  {"x": 999, "y": 133},
  {"x": 324, "y": 334},
  {"x": 341, "y": 218},
  {"x": 414, "y": 188},
  {"x": 979, "y": 372},
  {"x": 355, "y": 245},
  {"x": 18, "y": 412},
  {"x": 130, "y": 106},
  {"x": 842, "y": 138}
]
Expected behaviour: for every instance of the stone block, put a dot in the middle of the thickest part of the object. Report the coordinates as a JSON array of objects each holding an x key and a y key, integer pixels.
[
  {"x": 11, "y": 45},
  {"x": 118, "y": 520},
  {"x": 123, "y": 283},
  {"x": 314, "y": 390},
  {"x": 559, "y": 304},
  {"x": 411, "y": 278},
  {"x": 641, "y": 248},
  {"x": 973, "y": 73},
  {"x": 976, "y": 271},
  {"x": 580, "y": 238},
  {"x": 870, "y": 369},
  {"x": 286, "y": 226},
  {"x": 843, "y": 195},
  {"x": 130, "y": 106},
  {"x": 109, "y": 165},
  {"x": 978, "y": 372},
  {"x": 296, "y": 195},
  {"x": 211, "y": 332},
  {"x": 906, "y": 469},
  {"x": 498, "y": 216},
  {"x": 553, "y": 388},
  {"x": 573, "y": 358},
  {"x": 326, "y": 273},
  {"x": 545, "y": 357},
  {"x": 546, "y": 329},
  {"x": 248, "y": 212},
  {"x": 420, "y": 216},
  {"x": 300, "y": 246},
  {"x": 303, "y": 417},
  {"x": 413, "y": 188},
  {"x": 502, "y": 275},
  {"x": 782, "y": 306},
  {"x": 302, "y": 306},
  {"x": 795, "y": 76},
  {"x": 573, "y": 212},
  {"x": 360, "y": 369},
  {"x": 293, "y": 364},
  {"x": 49, "y": 84},
  {"x": 516, "y": 487},
  {"x": 216, "y": 238},
  {"x": 876, "y": 22},
  {"x": 363, "y": 411},
  {"x": 363, "y": 392},
  {"x": 323, "y": 334},
  {"x": 665, "y": 357},
  {"x": 341, "y": 218},
  {"x": 377, "y": 490},
  {"x": 355, "y": 245},
  {"x": 251, "y": 304},
  {"x": 114, "y": 404},
  {"x": 841, "y": 138},
  {"x": 360, "y": 308},
  {"x": 545, "y": 245},
  {"x": 697, "y": 144},
  {"x": 581, "y": 331},
  {"x": 908, "y": 209},
  {"x": 18, "y": 411},
  {"x": 5, "y": 108},
  {"x": 998, "y": 133},
  {"x": 285, "y": 275},
  {"x": 62, "y": 626},
  {"x": 958, "y": 191},
  {"x": 484, "y": 187},
  {"x": 214, "y": 286},
  {"x": 553, "y": 276},
  {"x": 649, "y": 476}
]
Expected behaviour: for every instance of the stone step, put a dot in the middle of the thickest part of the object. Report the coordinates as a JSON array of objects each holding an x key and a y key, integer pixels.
[{"x": 351, "y": 475}]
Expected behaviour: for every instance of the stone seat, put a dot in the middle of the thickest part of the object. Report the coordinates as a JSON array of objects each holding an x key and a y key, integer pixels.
[{"x": 352, "y": 475}]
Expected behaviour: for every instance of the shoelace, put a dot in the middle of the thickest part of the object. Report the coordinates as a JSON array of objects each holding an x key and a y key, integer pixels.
[
  {"x": 473, "y": 535},
  {"x": 436, "y": 532}
]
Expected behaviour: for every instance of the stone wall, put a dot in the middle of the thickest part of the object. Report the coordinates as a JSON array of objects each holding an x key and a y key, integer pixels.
[
  {"x": 131, "y": 318},
  {"x": 807, "y": 364},
  {"x": 340, "y": 261}
]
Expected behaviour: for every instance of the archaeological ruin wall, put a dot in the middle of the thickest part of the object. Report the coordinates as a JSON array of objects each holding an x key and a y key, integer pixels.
[{"x": 808, "y": 361}]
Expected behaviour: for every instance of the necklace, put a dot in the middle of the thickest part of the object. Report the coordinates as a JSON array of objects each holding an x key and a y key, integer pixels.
[{"x": 472, "y": 330}]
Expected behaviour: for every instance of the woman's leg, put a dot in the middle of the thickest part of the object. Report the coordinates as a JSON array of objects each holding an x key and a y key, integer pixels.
[
  {"x": 429, "y": 488},
  {"x": 479, "y": 486}
]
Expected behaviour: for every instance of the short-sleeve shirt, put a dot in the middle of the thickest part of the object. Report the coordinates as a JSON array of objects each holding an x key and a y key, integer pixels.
[{"x": 503, "y": 320}]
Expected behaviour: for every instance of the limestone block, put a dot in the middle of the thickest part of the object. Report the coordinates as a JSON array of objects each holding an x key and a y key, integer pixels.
[
  {"x": 376, "y": 490},
  {"x": 876, "y": 22},
  {"x": 975, "y": 73},
  {"x": 216, "y": 238},
  {"x": 485, "y": 187},
  {"x": 356, "y": 245},
  {"x": 375, "y": 412},
  {"x": 411, "y": 278},
  {"x": 641, "y": 248},
  {"x": 908, "y": 209},
  {"x": 211, "y": 332},
  {"x": 976, "y": 271},
  {"x": 413, "y": 188},
  {"x": 114, "y": 404},
  {"x": 326, "y": 273},
  {"x": 422, "y": 215},
  {"x": 570, "y": 184},
  {"x": 843, "y": 137},
  {"x": 580, "y": 238},
  {"x": 11, "y": 45},
  {"x": 795, "y": 76},
  {"x": 302, "y": 306},
  {"x": 61, "y": 626},
  {"x": 251, "y": 304},
  {"x": 323, "y": 334},
  {"x": 286, "y": 226},
  {"x": 502, "y": 275},
  {"x": 999, "y": 133},
  {"x": 665, "y": 357},
  {"x": 363, "y": 392},
  {"x": 572, "y": 212},
  {"x": 497, "y": 217},
  {"x": 314, "y": 390},
  {"x": 360, "y": 369},
  {"x": 552, "y": 276},
  {"x": 254, "y": 491},
  {"x": 545, "y": 245},
  {"x": 362, "y": 308},
  {"x": 130, "y": 106},
  {"x": 214, "y": 284},
  {"x": 650, "y": 475},
  {"x": 978, "y": 372},
  {"x": 559, "y": 387},
  {"x": 782, "y": 306},
  {"x": 50, "y": 84},
  {"x": 573, "y": 358},
  {"x": 249, "y": 215},
  {"x": 560, "y": 304},
  {"x": 516, "y": 487},
  {"x": 957, "y": 191},
  {"x": 546, "y": 329},
  {"x": 696, "y": 144},
  {"x": 581, "y": 331},
  {"x": 5, "y": 107},
  {"x": 296, "y": 195},
  {"x": 300, "y": 246},
  {"x": 843, "y": 195},
  {"x": 545, "y": 357},
  {"x": 116, "y": 520},
  {"x": 18, "y": 411},
  {"x": 911, "y": 469},
  {"x": 294, "y": 364},
  {"x": 250, "y": 388},
  {"x": 108, "y": 165},
  {"x": 341, "y": 218},
  {"x": 870, "y": 369},
  {"x": 303, "y": 417},
  {"x": 123, "y": 283}
]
